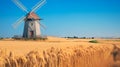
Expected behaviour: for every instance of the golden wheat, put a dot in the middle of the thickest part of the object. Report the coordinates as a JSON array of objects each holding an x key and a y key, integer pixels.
[{"x": 90, "y": 56}]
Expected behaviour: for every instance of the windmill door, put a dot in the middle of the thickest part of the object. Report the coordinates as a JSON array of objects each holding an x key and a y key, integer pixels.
[{"x": 31, "y": 33}]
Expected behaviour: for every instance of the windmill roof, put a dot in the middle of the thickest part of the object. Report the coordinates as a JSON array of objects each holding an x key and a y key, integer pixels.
[{"x": 32, "y": 16}]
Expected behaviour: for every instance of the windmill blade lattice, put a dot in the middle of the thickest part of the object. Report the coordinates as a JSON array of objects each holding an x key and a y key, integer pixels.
[
  {"x": 20, "y": 5},
  {"x": 43, "y": 26},
  {"x": 18, "y": 21},
  {"x": 38, "y": 5}
]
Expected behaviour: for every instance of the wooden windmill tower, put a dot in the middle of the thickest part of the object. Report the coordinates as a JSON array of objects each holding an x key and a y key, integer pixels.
[{"x": 32, "y": 21}]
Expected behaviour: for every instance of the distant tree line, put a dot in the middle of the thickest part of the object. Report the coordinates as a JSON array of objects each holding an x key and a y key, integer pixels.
[{"x": 76, "y": 37}]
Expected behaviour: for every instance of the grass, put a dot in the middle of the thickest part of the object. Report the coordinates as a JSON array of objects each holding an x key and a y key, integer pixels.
[
  {"x": 26, "y": 39},
  {"x": 93, "y": 41},
  {"x": 1, "y": 38}
]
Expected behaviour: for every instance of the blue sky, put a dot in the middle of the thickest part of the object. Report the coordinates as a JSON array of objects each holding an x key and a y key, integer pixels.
[{"x": 89, "y": 18}]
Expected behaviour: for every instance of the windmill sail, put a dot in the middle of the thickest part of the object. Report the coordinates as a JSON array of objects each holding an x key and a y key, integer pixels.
[
  {"x": 38, "y": 5},
  {"x": 42, "y": 25},
  {"x": 20, "y": 5},
  {"x": 19, "y": 21}
]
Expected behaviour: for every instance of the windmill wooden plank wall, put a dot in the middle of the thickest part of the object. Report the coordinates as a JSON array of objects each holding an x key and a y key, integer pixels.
[
  {"x": 31, "y": 29},
  {"x": 32, "y": 26}
]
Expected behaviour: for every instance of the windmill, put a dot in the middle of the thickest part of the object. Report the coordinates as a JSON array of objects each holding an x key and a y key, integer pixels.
[{"x": 31, "y": 20}]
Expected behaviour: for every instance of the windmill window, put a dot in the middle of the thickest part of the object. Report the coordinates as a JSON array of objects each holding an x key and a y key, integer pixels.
[{"x": 31, "y": 24}]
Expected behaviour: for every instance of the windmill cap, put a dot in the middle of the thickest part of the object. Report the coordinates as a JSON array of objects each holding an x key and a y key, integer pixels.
[{"x": 32, "y": 15}]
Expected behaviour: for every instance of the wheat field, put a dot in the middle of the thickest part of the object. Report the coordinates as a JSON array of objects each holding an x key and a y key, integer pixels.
[{"x": 60, "y": 52}]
